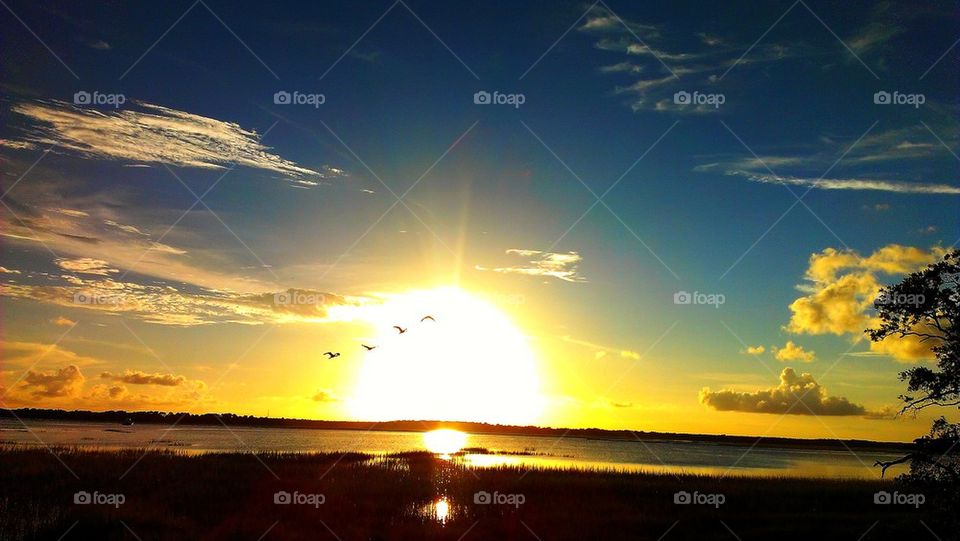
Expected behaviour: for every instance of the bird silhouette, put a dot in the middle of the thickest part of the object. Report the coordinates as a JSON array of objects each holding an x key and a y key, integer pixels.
[
  {"x": 368, "y": 348},
  {"x": 400, "y": 329},
  {"x": 330, "y": 354},
  {"x": 424, "y": 318}
]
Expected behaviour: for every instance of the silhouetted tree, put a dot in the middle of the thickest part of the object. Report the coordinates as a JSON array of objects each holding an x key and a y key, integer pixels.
[{"x": 925, "y": 306}]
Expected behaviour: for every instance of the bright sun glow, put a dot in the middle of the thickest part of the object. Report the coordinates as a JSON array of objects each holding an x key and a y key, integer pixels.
[
  {"x": 470, "y": 364},
  {"x": 444, "y": 441}
]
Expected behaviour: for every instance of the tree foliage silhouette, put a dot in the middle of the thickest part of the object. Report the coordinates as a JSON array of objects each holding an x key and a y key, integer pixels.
[{"x": 925, "y": 307}]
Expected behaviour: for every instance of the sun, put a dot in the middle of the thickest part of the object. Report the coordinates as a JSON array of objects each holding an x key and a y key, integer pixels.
[
  {"x": 469, "y": 363},
  {"x": 444, "y": 441}
]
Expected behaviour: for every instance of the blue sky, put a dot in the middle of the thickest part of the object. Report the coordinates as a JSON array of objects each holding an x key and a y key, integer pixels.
[{"x": 731, "y": 200}]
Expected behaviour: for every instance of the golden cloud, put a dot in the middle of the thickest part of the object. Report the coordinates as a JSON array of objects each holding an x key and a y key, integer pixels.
[{"x": 841, "y": 289}]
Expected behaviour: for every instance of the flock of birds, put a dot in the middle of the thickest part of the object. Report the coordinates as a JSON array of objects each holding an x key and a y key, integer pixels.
[{"x": 400, "y": 330}]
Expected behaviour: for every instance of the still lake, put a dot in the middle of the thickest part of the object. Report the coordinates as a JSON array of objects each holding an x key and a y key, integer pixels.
[{"x": 545, "y": 452}]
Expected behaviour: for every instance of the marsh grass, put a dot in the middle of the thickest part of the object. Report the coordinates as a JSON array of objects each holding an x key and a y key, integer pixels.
[{"x": 173, "y": 495}]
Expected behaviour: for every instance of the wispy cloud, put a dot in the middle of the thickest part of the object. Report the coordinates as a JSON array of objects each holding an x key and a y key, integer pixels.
[
  {"x": 153, "y": 134},
  {"x": 174, "y": 304},
  {"x": 560, "y": 265},
  {"x": 873, "y": 152},
  {"x": 600, "y": 351},
  {"x": 853, "y": 184},
  {"x": 663, "y": 66},
  {"x": 138, "y": 377}
]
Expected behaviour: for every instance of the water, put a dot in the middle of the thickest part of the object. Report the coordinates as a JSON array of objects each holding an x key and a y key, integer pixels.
[{"x": 549, "y": 452}]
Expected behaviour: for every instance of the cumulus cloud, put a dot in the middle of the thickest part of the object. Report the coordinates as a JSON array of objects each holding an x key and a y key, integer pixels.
[
  {"x": 156, "y": 135},
  {"x": 65, "y": 382},
  {"x": 755, "y": 350},
  {"x": 47, "y": 375},
  {"x": 841, "y": 288},
  {"x": 562, "y": 266},
  {"x": 792, "y": 352},
  {"x": 797, "y": 394}
]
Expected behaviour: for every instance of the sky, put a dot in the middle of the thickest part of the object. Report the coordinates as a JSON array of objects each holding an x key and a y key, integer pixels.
[{"x": 670, "y": 217}]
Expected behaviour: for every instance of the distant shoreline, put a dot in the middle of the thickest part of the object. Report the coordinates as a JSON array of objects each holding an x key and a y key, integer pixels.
[{"x": 232, "y": 420}]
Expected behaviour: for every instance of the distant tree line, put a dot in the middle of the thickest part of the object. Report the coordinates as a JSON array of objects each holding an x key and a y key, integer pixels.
[{"x": 231, "y": 419}]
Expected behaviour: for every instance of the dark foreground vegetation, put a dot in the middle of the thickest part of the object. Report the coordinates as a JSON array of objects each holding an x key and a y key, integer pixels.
[{"x": 167, "y": 495}]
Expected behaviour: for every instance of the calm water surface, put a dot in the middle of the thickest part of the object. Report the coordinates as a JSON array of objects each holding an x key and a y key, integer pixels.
[{"x": 550, "y": 452}]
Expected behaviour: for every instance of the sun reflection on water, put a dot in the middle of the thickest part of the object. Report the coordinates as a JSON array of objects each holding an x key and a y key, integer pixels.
[
  {"x": 444, "y": 441},
  {"x": 441, "y": 510}
]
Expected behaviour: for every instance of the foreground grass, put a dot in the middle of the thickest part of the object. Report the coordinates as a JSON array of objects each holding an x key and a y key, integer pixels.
[{"x": 168, "y": 495}]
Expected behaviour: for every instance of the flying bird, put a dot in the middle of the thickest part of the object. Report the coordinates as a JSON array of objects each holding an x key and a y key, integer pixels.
[
  {"x": 330, "y": 354},
  {"x": 400, "y": 329},
  {"x": 424, "y": 318},
  {"x": 368, "y": 348}
]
